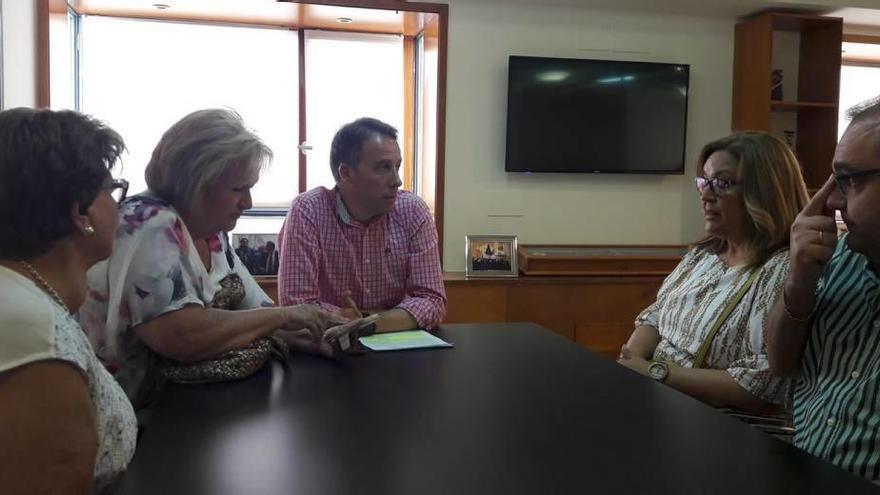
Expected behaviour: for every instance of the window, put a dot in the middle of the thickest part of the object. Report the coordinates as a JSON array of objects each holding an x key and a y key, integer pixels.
[
  {"x": 141, "y": 76},
  {"x": 858, "y": 81},
  {"x": 348, "y": 76}
]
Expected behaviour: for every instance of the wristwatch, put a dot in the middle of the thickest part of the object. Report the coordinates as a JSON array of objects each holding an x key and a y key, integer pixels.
[{"x": 658, "y": 370}]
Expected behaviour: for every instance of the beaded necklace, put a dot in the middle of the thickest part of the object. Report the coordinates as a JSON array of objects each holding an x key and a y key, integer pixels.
[{"x": 41, "y": 282}]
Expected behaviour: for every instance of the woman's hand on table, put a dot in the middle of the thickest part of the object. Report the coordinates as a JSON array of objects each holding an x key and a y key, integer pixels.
[
  {"x": 311, "y": 318},
  {"x": 337, "y": 341},
  {"x": 632, "y": 361}
]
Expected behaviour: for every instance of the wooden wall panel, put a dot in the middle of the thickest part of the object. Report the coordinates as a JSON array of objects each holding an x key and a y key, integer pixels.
[
  {"x": 819, "y": 81},
  {"x": 596, "y": 312},
  {"x": 270, "y": 287},
  {"x": 816, "y": 141},
  {"x": 476, "y": 304},
  {"x": 604, "y": 338},
  {"x": 819, "y": 74},
  {"x": 751, "y": 77},
  {"x": 409, "y": 111},
  {"x": 547, "y": 305}
]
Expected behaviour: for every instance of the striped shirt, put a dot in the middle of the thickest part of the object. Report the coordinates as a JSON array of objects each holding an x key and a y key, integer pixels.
[
  {"x": 392, "y": 262},
  {"x": 837, "y": 396},
  {"x": 689, "y": 303}
]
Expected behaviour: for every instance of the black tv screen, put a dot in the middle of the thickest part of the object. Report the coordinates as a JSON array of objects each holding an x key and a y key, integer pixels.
[{"x": 577, "y": 115}]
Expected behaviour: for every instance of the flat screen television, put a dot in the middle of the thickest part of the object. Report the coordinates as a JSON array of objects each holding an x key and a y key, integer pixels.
[{"x": 596, "y": 116}]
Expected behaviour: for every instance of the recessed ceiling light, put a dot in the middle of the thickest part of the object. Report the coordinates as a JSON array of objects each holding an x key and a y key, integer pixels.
[
  {"x": 161, "y": 6},
  {"x": 344, "y": 20}
]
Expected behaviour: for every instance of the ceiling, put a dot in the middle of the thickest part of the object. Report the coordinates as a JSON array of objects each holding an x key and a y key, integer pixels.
[
  {"x": 859, "y": 16},
  {"x": 262, "y": 12},
  {"x": 853, "y": 11}
]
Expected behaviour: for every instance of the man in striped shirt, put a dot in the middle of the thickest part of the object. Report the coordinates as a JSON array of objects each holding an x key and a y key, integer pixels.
[
  {"x": 364, "y": 244},
  {"x": 826, "y": 329}
]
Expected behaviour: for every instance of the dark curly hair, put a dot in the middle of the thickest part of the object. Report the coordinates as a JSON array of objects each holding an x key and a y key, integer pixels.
[
  {"x": 49, "y": 161},
  {"x": 349, "y": 140}
]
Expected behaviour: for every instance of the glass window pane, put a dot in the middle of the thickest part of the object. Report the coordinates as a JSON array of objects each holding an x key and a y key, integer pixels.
[
  {"x": 348, "y": 76},
  {"x": 857, "y": 84},
  {"x": 140, "y": 76}
]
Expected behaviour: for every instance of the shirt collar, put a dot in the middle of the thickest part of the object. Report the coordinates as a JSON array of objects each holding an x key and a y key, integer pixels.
[
  {"x": 342, "y": 211},
  {"x": 345, "y": 216},
  {"x": 867, "y": 272}
]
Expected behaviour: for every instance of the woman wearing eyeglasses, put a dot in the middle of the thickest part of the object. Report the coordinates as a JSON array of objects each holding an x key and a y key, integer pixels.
[
  {"x": 704, "y": 335},
  {"x": 174, "y": 298},
  {"x": 65, "y": 424}
]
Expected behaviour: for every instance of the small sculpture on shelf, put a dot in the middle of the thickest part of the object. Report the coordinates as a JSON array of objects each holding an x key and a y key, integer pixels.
[
  {"x": 789, "y": 138},
  {"x": 776, "y": 85}
]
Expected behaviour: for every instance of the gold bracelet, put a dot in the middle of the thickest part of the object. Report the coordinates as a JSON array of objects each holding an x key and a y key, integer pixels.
[{"x": 788, "y": 312}]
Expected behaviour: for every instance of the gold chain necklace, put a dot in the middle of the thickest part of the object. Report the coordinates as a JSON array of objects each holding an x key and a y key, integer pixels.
[{"x": 41, "y": 282}]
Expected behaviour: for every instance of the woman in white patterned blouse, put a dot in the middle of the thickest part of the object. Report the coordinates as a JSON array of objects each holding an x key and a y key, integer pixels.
[
  {"x": 751, "y": 189},
  {"x": 65, "y": 424}
]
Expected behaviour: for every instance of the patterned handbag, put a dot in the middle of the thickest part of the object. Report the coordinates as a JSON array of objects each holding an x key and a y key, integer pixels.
[{"x": 231, "y": 365}]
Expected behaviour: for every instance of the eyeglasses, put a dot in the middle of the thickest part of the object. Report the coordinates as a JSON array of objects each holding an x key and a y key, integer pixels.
[
  {"x": 718, "y": 185},
  {"x": 848, "y": 182},
  {"x": 118, "y": 189}
]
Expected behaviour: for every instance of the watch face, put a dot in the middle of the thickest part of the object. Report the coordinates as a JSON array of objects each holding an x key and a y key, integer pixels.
[{"x": 657, "y": 371}]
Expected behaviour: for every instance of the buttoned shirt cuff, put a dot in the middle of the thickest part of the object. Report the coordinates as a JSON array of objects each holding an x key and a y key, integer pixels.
[{"x": 424, "y": 311}]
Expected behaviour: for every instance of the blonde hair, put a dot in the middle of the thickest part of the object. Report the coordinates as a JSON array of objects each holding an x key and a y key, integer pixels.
[
  {"x": 197, "y": 150},
  {"x": 773, "y": 190}
]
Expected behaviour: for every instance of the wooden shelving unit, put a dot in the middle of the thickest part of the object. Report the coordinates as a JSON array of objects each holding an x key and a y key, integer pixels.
[
  {"x": 795, "y": 106},
  {"x": 597, "y": 260},
  {"x": 818, "y": 81}
]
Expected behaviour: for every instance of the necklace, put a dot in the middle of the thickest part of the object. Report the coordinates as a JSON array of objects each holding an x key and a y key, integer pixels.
[{"x": 41, "y": 282}]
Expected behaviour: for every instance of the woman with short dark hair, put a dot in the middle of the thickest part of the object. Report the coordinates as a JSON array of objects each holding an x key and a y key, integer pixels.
[{"x": 65, "y": 424}]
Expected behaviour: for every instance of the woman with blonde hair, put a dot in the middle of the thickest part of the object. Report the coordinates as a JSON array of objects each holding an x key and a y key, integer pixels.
[
  {"x": 174, "y": 301},
  {"x": 704, "y": 334}
]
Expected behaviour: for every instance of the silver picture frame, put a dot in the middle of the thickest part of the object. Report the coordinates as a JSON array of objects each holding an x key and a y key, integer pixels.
[{"x": 491, "y": 256}]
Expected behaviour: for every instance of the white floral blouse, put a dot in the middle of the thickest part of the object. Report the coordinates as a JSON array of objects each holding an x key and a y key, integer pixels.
[
  {"x": 689, "y": 303},
  {"x": 154, "y": 270},
  {"x": 34, "y": 328}
]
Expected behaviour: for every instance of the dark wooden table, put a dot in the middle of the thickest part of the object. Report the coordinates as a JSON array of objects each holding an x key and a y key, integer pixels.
[{"x": 512, "y": 409}]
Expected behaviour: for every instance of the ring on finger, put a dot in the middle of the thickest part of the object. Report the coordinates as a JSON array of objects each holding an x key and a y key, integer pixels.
[{"x": 821, "y": 237}]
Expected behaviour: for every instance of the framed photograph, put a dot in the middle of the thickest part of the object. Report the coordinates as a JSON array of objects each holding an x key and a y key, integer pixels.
[
  {"x": 258, "y": 252},
  {"x": 490, "y": 256}
]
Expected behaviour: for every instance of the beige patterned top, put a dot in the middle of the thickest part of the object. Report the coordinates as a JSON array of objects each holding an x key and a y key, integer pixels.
[
  {"x": 35, "y": 328},
  {"x": 689, "y": 303}
]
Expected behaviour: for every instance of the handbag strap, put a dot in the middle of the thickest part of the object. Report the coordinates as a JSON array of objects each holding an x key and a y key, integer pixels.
[{"x": 704, "y": 348}]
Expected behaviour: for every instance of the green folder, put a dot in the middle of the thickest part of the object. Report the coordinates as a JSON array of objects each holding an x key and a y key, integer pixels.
[{"x": 397, "y": 341}]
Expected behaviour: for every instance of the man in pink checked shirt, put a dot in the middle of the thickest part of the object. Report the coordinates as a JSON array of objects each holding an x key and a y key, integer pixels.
[{"x": 365, "y": 243}]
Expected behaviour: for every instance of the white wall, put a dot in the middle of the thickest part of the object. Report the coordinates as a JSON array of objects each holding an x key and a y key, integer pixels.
[
  {"x": 565, "y": 208},
  {"x": 19, "y": 53},
  {"x": 861, "y": 29},
  {"x": 553, "y": 208}
]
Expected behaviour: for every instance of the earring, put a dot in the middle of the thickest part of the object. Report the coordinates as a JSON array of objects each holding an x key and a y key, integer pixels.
[{"x": 89, "y": 230}]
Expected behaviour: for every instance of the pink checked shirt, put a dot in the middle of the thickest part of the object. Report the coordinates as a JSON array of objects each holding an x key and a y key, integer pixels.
[{"x": 392, "y": 262}]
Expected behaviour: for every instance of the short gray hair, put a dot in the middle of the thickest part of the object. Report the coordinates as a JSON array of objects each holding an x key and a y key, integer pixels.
[
  {"x": 868, "y": 109},
  {"x": 197, "y": 150}
]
